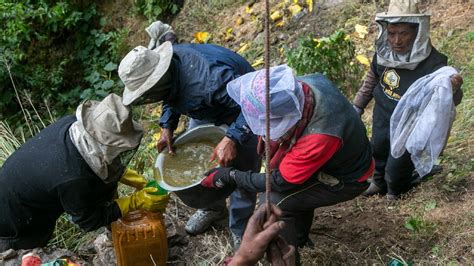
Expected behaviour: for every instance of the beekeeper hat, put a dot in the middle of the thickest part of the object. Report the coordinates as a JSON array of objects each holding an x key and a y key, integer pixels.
[
  {"x": 142, "y": 68},
  {"x": 402, "y": 8},
  {"x": 110, "y": 122}
]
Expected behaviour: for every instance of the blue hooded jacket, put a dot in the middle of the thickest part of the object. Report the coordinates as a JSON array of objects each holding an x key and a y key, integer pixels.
[{"x": 200, "y": 73}]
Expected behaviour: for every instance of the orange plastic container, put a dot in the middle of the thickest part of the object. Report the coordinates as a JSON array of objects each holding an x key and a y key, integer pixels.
[{"x": 140, "y": 239}]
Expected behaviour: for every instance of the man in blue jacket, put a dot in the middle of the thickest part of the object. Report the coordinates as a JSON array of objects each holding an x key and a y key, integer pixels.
[{"x": 191, "y": 79}]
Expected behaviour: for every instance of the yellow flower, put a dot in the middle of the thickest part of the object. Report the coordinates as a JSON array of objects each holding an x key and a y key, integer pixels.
[
  {"x": 363, "y": 59},
  {"x": 248, "y": 10},
  {"x": 228, "y": 34},
  {"x": 310, "y": 5},
  {"x": 361, "y": 31},
  {"x": 275, "y": 15},
  {"x": 295, "y": 9},
  {"x": 347, "y": 38},
  {"x": 202, "y": 37},
  {"x": 280, "y": 23},
  {"x": 239, "y": 21}
]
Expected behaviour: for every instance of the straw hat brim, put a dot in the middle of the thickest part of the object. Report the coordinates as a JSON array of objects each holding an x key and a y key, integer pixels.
[
  {"x": 130, "y": 139},
  {"x": 165, "y": 51},
  {"x": 395, "y": 14}
]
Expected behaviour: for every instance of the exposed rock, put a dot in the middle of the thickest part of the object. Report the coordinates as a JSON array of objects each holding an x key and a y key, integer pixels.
[
  {"x": 13, "y": 257},
  {"x": 8, "y": 255},
  {"x": 175, "y": 233},
  {"x": 104, "y": 248}
]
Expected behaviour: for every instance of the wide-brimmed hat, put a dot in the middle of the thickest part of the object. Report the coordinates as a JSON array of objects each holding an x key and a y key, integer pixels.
[
  {"x": 402, "y": 8},
  {"x": 142, "y": 68},
  {"x": 110, "y": 122}
]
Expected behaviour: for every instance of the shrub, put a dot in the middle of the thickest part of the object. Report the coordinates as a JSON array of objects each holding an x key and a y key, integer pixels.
[
  {"x": 59, "y": 52},
  {"x": 152, "y": 9},
  {"x": 332, "y": 56}
]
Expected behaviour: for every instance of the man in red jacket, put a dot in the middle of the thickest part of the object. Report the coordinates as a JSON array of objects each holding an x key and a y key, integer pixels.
[{"x": 320, "y": 154}]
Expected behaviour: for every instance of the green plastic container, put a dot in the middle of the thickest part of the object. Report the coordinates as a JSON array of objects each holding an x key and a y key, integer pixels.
[{"x": 153, "y": 183}]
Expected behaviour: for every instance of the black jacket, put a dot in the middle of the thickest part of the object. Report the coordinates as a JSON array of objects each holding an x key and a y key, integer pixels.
[{"x": 45, "y": 177}]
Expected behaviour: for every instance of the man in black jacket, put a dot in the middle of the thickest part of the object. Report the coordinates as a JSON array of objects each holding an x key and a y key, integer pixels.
[
  {"x": 403, "y": 55},
  {"x": 72, "y": 166}
]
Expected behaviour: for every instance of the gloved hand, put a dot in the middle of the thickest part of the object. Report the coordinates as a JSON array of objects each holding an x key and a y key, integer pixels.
[
  {"x": 133, "y": 179},
  {"x": 143, "y": 200},
  {"x": 219, "y": 177}
]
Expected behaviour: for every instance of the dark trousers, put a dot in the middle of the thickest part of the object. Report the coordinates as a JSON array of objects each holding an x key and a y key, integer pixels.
[
  {"x": 298, "y": 205},
  {"x": 394, "y": 174},
  {"x": 38, "y": 239}
]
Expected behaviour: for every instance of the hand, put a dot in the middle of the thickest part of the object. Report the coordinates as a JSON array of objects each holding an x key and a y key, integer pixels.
[
  {"x": 456, "y": 82},
  {"x": 259, "y": 234},
  {"x": 143, "y": 200},
  {"x": 166, "y": 140},
  {"x": 225, "y": 152},
  {"x": 219, "y": 177},
  {"x": 133, "y": 179}
]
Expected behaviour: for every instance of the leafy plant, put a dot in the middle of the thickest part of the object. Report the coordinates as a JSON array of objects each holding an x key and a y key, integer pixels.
[
  {"x": 58, "y": 52},
  {"x": 333, "y": 56},
  {"x": 418, "y": 224},
  {"x": 153, "y": 9}
]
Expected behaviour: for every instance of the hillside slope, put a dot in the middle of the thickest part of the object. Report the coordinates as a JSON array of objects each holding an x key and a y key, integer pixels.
[{"x": 432, "y": 224}]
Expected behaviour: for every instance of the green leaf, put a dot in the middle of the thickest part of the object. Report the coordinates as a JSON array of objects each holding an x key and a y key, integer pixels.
[
  {"x": 86, "y": 94},
  {"x": 409, "y": 225},
  {"x": 101, "y": 93},
  {"x": 107, "y": 84},
  {"x": 102, "y": 21},
  {"x": 470, "y": 36},
  {"x": 110, "y": 67},
  {"x": 430, "y": 206},
  {"x": 93, "y": 77}
]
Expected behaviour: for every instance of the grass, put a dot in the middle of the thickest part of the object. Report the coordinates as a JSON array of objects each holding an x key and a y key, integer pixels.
[
  {"x": 8, "y": 142},
  {"x": 69, "y": 236}
]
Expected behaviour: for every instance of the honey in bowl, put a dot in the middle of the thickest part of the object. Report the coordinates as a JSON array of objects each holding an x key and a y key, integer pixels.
[{"x": 189, "y": 163}]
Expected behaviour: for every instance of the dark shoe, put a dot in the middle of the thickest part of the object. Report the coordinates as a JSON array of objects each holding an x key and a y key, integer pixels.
[
  {"x": 201, "y": 220},
  {"x": 417, "y": 179},
  {"x": 307, "y": 243},
  {"x": 374, "y": 190}
]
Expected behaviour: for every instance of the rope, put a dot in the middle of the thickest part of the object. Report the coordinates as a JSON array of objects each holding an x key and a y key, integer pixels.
[{"x": 268, "y": 187}]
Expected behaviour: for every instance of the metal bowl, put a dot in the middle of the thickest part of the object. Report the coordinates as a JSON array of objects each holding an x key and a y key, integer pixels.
[{"x": 194, "y": 195}]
